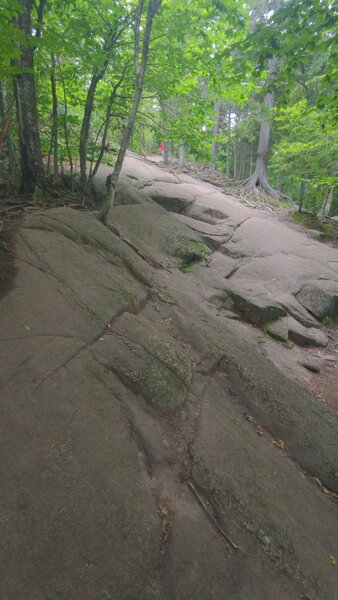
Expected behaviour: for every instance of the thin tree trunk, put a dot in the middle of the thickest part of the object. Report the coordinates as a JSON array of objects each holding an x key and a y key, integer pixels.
[
  {"x": 241, "y": 159},
  {"x": 181, "y": 156},
  {"x": 50, "y": 150},
  {"x": 84, "y": 134},
  {"x": 327, "y": 202},
  {"x": 302, "y": 196},
  {"x": 55, "y": 120},
  {"x": 235, "y": 159},
  {"x": 26, "y": 104},
  {"x": 228, "y": 143},
  {"x": 251, "y": 159},
  {"x": 165, "y": 106},
  {"x": 107, "y": 122},
  {"x": 140, "y": 61},
  {"x": 166, "y": 154},
  {"x": 64, "y": 120},
  {"x": 333, "y": 212},
  {"x": 216, "y": 130}
]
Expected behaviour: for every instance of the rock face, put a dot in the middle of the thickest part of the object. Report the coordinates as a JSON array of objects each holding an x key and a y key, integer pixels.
[
  {"x": 151, "y": 364},
  {"x": 255, "y": 304},
  {"x": 131, "y": 407},
  {"x": 278, "y": 329},
  {"x": 306, "y": 336},
  {"x": 320, "y": 298},
  {"x": 151, "y": 229}
]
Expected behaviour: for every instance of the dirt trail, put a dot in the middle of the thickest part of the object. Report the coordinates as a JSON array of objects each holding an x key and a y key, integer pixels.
[{"x": 154, "y": 443}]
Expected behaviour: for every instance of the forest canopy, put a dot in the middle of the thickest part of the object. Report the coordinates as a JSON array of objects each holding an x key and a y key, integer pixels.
[{"x": 247, "y": 88}]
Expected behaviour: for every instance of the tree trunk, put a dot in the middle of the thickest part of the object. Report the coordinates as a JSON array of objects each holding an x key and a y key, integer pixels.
[
  {"x": 181, "y": 156},
  {"x": 302, "y": 196},
  {"x": 55, "y": 120},
  {"x": 166, "y": 154},
  {"x": 235, "y": 159},
  {"x": 64, "y": 120},
  {"x": 11, "y": 162},
  {"x": 26, "y": 106},
  {"x": 228, "y": 143},
  {"x": 84, "y": 134},
  {"x": 216, "y": 130},
  {"x": 165, "y": 106},
  {"x": 140, "y": 62},
  {"x": 326, "y": 207},
  {"x": 259, "y": 178},
  {"x": 107, "y": 122},
  {"x": 333, "y": 212},
  {"x": 5, "y": 130}
]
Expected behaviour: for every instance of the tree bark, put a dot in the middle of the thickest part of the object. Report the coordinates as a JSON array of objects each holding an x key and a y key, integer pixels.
[
  {"x": 259, "y": 178},
  {"x": 302, "y": 196},
  {"x": 235, "y": 160},
  {"x": 64, "y": 120},
  {"x": 107, "y": 122},
  {"x": 333, "y": 212},
  {"x": 140, "y": 62},
  {"x": 5, "y": 130},
  {"x": 54, "y": 120},
  {"x": 84, "y": 134},
  {"x": 216, "y": 130},
  {"x": 26, "y": 104},
  {"x": 181, "y": 156},
  {"x": 327, "y": 201},
  {"x": 228, "y": 143}
]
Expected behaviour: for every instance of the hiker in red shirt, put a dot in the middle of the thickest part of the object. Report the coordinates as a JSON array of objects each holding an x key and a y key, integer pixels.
[{"x": 162, "y": 149}]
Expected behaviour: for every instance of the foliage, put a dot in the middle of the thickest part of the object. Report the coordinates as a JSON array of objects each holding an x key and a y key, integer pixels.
[
  {"x": 306, "y": 151},
  {"x": 203, "y": 54}
]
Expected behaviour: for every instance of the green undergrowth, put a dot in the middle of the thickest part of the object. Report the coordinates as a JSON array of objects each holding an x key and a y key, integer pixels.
[
  {"x": 326, "y": 231},
  {"x": 330, "y": 320},
  {"x": 186, "y": 267}
]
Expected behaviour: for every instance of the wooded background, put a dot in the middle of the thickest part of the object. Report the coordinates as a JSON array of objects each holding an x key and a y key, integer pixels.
[{"x": 250, "y": 89}]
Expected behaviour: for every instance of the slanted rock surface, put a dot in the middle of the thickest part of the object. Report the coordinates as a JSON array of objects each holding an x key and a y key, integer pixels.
[
  {"x": 320, "y": 298},
  {"x": 306, "y": 336},
  {"x": 156, "y": 444}
]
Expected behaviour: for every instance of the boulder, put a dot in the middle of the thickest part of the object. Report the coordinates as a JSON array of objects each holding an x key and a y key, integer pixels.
[
  {"x": 304, "y": 336},
  {"x": 174, "y": 197},
  {"x": 320, "y": 298},
  {"x": 255, "y": 303},
  {"x": 278, "y": 329},
  {"x": 129, "y": 194},
  {"x": 214, "y": 235},
  {"x": 295, "y": 309},
  {"x": 151, "y": 229}
]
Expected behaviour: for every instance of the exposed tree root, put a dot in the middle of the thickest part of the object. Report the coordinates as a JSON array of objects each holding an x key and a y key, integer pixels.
[{"x": 257, "y": 185}]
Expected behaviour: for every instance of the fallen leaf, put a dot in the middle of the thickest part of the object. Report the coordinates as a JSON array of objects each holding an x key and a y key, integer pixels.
[
  {"x": 333, "y": 560},
  {"x": 259, "y": 430},
  {"x": 280, "y": 444},
  {"x": 27, "y": 327},
  {"x": 248, "y": 417}
]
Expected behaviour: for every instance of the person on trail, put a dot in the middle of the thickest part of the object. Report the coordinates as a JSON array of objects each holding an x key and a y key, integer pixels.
[{"x": 162, "y": 149}]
